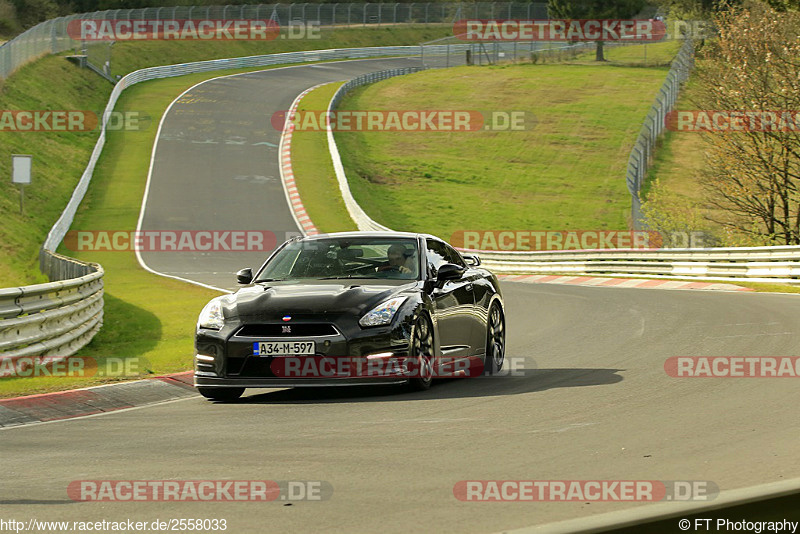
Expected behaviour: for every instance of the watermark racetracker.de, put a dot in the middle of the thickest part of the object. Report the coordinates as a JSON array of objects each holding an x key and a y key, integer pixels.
[
  {"x": 37, "y": 120},
  {"x": 512, "y": 240},
  {"x": 584, "y": 490},
  {"x": 644, "y": 30},
  {"x": 733, "y": 121},
  {"x": 387, "y": 365},
  {"x": 733, "y": 366},
  {"x": 73, "y": 366},
  {"x": 198, "y": 490},
  {"x": 175, "y": 240},
  {"x": 405, "y": 120},
  {"x": 94, "y": 30}
]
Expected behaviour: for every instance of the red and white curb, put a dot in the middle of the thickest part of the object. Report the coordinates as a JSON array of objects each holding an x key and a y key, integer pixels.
[
  {"x": 619, "y": 282},
  {"x": 95, "y": 400},
  {"x": 287, "y": 175}
]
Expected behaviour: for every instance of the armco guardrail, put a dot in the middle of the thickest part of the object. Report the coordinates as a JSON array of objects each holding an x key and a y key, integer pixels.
[
  {"x": 755, "y": 264},
  {"x": 50, "y": 320},
  {"x": 51, "y": 37},
  {"x": 642, "y": 152}
]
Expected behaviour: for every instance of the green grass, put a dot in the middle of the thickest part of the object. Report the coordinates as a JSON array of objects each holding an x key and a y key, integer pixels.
[
  {"x": 646, "y": 55},
  {"x": 58, "y": 160},
  {"x": 313, "y": 169},
  {"x": 565, "y": 171},
  {"x": 146, "y": 316}
]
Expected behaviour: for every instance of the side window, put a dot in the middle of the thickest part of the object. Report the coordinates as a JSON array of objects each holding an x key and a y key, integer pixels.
[
  {"x": 436, "y": 254},
  {"x": 454, "y": 257}
]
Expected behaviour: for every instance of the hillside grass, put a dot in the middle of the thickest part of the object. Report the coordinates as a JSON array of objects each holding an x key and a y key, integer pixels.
[{"x": 564, "y": 171}]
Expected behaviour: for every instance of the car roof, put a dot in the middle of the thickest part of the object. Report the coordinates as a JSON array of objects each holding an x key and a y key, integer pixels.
[{"x": 336, "y": 235}]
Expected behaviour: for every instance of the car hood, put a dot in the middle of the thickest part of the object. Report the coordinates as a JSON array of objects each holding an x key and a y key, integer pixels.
[{"x": 269, "y": 301}]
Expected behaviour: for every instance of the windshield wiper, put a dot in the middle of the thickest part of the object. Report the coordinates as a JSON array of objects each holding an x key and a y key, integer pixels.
[{"x": 348, "y": 277}]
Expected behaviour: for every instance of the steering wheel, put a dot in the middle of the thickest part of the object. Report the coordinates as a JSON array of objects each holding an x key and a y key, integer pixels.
[{"x": 388, "y": 269}]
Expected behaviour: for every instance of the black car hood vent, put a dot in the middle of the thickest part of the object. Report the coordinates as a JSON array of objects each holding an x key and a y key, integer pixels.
[{"x": 310, "y": 299}]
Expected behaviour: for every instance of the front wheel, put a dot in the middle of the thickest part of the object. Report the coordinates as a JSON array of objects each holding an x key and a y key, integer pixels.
[
  {"x": 221, "y": 394},
  {"x": 422, "y": 352},
  {"x": 495, "y": 341}
]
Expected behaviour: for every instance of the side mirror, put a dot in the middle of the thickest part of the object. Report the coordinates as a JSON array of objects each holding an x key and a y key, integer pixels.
[
  {"x": 245, "y": 276},
  {"x": 472, "y": 259},
  {"x": 450, "y": 271}
]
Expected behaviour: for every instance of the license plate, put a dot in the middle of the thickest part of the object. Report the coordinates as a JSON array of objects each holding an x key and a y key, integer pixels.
[{"x": 283, "y": 348}]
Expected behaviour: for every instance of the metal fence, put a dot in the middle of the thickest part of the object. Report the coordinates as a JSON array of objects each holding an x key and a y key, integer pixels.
[
  {"x": 51, "y": 37},
  {"x": 642, "y": 153},
  {"x": 449, "y": 52}
]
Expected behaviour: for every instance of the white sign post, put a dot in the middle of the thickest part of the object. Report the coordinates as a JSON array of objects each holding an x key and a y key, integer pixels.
[{"x": 21, "y": 174}]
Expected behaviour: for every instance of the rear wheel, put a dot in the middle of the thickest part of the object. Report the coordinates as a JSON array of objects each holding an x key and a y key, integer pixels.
[
  {"x": 422, "y": 351},
  {"x": 495, "y": 341},
  {"x": 221, "y": 394}
]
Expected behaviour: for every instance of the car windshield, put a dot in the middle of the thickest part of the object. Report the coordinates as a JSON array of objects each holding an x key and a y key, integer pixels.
[{"x": 334, "y": 258}]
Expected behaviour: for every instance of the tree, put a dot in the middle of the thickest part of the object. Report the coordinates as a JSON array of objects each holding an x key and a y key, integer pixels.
[
  {"x": 753, "y": 68},
  {"x": 594, "y": 9}
]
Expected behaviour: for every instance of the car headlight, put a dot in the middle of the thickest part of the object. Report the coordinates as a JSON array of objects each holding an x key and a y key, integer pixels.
[
  {"x": 383, "y": 313},
  {"x": 211, "y": 316}
]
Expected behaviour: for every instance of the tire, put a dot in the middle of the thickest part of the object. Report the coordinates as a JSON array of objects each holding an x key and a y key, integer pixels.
[
  {"x": 495, "y": 340},
  {"x": 422, "y": 349},
  {"x": 221, "y": 394}
]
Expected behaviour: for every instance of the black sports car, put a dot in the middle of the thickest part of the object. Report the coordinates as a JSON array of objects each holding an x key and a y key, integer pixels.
[{"x": 354, "y": 308}]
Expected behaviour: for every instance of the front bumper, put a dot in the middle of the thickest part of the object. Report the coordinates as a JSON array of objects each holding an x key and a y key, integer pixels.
[
  {"x": 225, "y": 358},
  {"x": 208, "y": 381}
]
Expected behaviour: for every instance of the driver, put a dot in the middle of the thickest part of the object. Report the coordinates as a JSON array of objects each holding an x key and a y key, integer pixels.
[{"x": 396, "y": 256}]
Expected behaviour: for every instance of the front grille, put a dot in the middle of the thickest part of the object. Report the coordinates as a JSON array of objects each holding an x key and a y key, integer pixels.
[{"x": 277, "y": 330}]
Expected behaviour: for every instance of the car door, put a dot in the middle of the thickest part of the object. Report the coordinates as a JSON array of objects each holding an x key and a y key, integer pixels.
[
  {"x": 474, "y": 283},
  {"x": 454, "y": 305}
]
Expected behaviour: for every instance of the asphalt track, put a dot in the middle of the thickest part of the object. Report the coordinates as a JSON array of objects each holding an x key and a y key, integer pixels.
[{"x": 592, "y": 400}]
